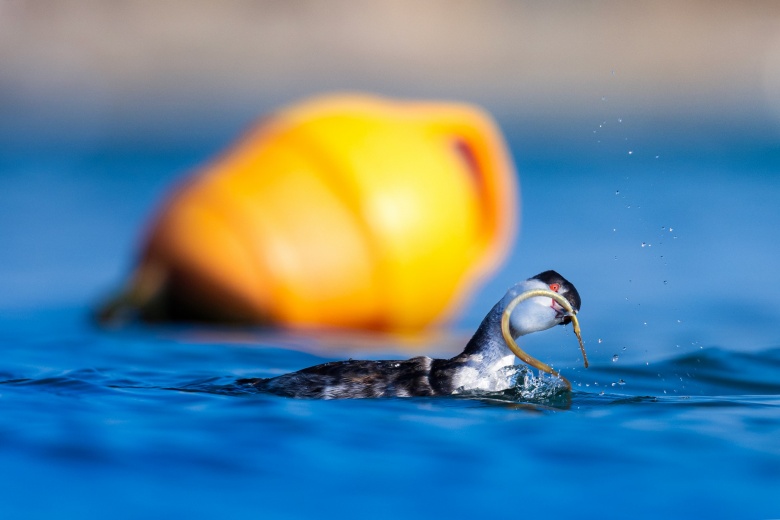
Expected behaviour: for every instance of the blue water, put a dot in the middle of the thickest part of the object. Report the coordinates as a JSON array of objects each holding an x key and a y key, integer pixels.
[{"x": 673, "y": 248}]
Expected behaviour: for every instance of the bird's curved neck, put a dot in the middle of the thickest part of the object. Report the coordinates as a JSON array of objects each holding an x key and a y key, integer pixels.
[{"x": 488, "y": 343}]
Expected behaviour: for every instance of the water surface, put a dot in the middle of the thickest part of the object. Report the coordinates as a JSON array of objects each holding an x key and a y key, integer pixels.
[{"x": 672, "y": 249}]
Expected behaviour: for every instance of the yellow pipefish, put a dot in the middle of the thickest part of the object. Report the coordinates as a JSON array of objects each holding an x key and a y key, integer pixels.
[{"x": 520, "y": 353}]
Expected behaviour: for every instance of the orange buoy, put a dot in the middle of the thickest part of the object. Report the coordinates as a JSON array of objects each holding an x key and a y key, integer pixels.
[{"x": 345, "y": 211}]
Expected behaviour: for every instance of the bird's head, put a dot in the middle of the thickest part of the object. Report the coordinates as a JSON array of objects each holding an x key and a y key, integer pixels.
[{"x": 541, "y": 313}]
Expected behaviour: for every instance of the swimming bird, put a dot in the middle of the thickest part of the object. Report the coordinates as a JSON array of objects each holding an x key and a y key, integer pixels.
[{"x": 483, "y": 364}]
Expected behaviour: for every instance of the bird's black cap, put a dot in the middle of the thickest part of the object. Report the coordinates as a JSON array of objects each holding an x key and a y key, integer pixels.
[{"x": 567, "y": 290}]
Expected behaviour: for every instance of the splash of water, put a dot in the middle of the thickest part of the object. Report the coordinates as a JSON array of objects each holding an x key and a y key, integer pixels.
[{"x": 520, "y": 384}]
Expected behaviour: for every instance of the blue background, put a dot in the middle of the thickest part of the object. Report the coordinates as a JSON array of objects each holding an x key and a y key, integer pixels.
[{"x": 647, "y": 145}]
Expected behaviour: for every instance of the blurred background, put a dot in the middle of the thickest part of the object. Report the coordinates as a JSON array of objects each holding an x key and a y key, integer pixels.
[
  {"x": 646, "y": 135},
  {"x": 647, "y": 142},
  {"x": 181, "y": 72}
]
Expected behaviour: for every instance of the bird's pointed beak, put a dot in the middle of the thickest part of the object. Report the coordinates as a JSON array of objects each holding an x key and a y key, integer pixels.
[{"x": 567, "y": 317}]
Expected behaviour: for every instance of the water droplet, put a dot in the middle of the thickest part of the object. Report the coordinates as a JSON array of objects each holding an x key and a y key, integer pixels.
[
  {"x": 621, "y": 382},
  {"x": 615, "y": 358},
  {"x": 620, "y": 119},
  {"x": 631, "y": 152},
  {"x": 600, "y": 340},
  {"x": 624, "y": 348},
  {"x": 670, "y": 230},
  {"x": 657, "y": 156},
  {"x": 603, "y": 98},
  {"x": 602, "y": 392},
  {"x": 644, "y": 244},
  {"x": 666, "y": 282}
]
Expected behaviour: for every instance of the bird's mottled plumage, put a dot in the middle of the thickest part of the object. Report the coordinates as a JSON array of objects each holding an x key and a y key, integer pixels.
[{"x": 484, "y": 357}]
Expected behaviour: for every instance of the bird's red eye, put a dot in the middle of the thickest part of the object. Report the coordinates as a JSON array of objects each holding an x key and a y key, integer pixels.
[{"x": 554, "y": 287}]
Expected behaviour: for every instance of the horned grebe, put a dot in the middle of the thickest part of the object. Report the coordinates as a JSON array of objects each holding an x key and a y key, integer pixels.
[{"x": 479, "y": 367}]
